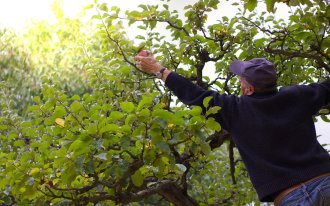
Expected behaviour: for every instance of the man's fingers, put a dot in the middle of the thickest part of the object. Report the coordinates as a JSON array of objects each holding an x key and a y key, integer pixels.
[
  {"x": 143, "y": 59},
  {"x": 145, "y": 63},
  {"x": 138, "y": 64},
  {"x": 138, "y": 58},
  {"x": 149, "y": 53}
]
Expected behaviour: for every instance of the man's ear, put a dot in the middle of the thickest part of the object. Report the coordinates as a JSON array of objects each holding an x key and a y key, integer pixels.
[{"x": 249, "y": 90}]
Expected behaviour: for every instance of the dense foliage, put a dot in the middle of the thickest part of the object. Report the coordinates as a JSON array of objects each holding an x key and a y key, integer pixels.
[{"x": 80, "y": 124}]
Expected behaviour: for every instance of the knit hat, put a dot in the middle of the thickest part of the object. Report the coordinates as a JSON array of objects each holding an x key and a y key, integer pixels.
[{"x": 258, "y": 72}]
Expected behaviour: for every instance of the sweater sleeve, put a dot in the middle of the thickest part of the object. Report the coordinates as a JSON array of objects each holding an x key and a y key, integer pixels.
[
  {"x": 316, "y": 95},
  {"x": 192, "y": 94}
]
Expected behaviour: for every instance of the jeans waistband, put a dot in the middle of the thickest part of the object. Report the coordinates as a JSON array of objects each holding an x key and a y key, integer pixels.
[{"x": 285, "y": 192}]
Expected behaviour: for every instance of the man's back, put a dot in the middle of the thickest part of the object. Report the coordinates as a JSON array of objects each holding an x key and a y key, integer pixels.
[{"x": 276, "y": 137}]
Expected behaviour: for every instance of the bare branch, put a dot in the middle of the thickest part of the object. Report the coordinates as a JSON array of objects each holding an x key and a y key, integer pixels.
[
  {"x": 263, "y": 29},
  {"x": 232, "y": 161}
]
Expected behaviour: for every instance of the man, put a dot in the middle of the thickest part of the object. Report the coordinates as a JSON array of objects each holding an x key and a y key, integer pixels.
[{"x": 273, "y": 130}]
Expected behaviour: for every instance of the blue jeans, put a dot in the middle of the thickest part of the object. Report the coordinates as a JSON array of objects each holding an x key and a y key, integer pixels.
[{"x": 315, "y": 193}]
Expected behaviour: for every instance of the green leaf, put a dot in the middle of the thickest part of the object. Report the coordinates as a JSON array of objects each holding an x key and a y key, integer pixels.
[
  {"x": 213, "y": 110},
  {"x": 89, "y": 6},
  {"x": 3, "y": 127},
  {"x": 109, "y": 128},
  {"x": 79, "y": 147},
  {"x": 214, "y": 4},
  {"x": 270, "y": 5},
  {"x": 328, "y": 11},
  {"x": 125, "y": 142},
  {"x": 196, "y": 120},
  {"x": 162, "y": 114},
  {"x": 260, "y": 42},
  {"x": 155, "y": 134},
  {"x": 232, "y": 22},
  {"x": 196, "y": 110},
  {"x": 325, "y": 118},
  {"x": 243, "y": 54},
  {"x": 126, "y": 129},
  {"x": 104, "y": 7},
  {"x": 115, "y": 115},
  {"x": 251, "y": 5},
  {"x": 212, "y": 124},
  {"x": 324, "y": 111},
  {"x": 163, "y": 146},
  {"x": 145, "y": 102},
  {"x": 206, "y": 101},
  {"x": 127, "y": 107},
  {"x": 91, "y": 129},
  {"x": 59, "y": 112},
  {"x": 34, "y": 171},
  {"x": 31, "y": 192},
  {"x": 29, "y": 132},
  {"x": 303, "y": 35},
  {"x": 129, "y": 119},
  {"x": 143, "y": 115},
  {"x": 19, "y": 143},
  {"x": 291, "y": 3},
  {"x": 36, "y": 99},
  {"x": 182, "y": 168},
  {"x": 69, "y": 175},
  {"x": 205, "y": 147},
  {"x": 294, "y": 18},
  {"x": 76, "y": 106},
  {"x": 126, "y": 70},
  {"x": 137, "y": 178},
  {"x": 75, "y": 98}
]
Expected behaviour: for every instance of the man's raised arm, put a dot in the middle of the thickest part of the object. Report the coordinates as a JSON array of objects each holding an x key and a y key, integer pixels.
[{"x": 187, "y": 92}]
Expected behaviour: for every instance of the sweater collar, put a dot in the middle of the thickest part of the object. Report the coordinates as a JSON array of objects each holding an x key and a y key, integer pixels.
[{"x": 263, "y": 94}]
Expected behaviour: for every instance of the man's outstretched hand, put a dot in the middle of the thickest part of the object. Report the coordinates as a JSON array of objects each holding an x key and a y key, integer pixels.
[{"x": 145, "y": 61}]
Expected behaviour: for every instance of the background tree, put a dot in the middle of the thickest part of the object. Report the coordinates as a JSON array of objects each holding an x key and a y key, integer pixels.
[{"x": 108, "y": 134}]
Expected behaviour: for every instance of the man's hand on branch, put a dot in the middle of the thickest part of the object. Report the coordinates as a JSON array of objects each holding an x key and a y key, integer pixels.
[{"x": 145, "y": 61}]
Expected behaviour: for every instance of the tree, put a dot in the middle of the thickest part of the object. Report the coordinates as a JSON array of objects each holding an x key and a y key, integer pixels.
[{"x": 125, "y": 139}]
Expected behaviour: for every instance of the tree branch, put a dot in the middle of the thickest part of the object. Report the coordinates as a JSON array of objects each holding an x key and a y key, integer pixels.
[
  {"x": 292, "y": 54},
  {"x": 176, "y": 195},
  {"x": 262, "y": 29},
  {"x": 232, "y": 161},
  {"x": 122, "y": 53},
  {"x": 218, "y": 138}
]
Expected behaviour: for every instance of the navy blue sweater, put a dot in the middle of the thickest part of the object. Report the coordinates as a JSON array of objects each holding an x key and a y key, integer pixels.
[{"x": 274, "y": 132}]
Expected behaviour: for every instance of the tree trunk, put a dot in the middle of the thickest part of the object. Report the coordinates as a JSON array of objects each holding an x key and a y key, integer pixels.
[{"x": 177, "y": 196}]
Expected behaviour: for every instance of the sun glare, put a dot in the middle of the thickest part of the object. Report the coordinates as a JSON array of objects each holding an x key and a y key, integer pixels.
[{"x": 17, "y": 14}]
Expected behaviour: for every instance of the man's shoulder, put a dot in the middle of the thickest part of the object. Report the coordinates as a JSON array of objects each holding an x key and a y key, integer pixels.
[
  {"x": 227, "y": 99},
  {"x": 294, "y": 88},
  {"x": 305, "y": 89}
]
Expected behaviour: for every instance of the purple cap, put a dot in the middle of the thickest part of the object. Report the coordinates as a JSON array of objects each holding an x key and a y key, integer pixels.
[{"x": 258, "y": 72}]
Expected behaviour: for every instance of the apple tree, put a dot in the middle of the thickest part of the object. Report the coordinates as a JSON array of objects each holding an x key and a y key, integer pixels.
[{"x": 125, "y": 139}]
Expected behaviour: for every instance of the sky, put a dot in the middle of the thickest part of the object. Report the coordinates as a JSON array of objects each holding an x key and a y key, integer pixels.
[{"x": 18, "y": 14}]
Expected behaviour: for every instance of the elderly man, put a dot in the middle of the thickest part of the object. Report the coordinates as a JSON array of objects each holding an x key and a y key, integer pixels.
[{"x": 273, "y": 130}]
